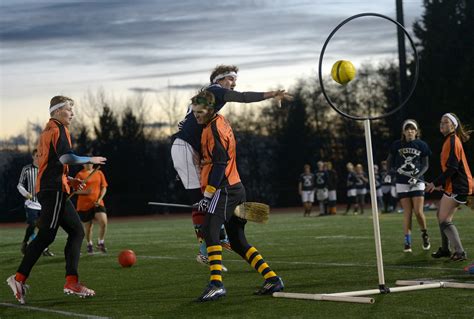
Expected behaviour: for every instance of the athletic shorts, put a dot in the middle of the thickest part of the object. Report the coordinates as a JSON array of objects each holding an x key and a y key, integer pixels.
[
  {"x": 361, "y": 191},
  {"x": 322, "y": 194},
  {"x": 458, "y": 198},
  {"x": 379, "y": 192},
  {"x": 307, "y": 196},
  {"x": 32, "y": 215},
  {"x": 386, "y": 189},
  {"x": 406, "y": 190},
  {"x": 332, "y": 195},
  {"x": 226, "y": 199},
  {"x": 351, "y": 192},
  {"x": 88, "y": 215},
  {"x": 186, "y": 163}
]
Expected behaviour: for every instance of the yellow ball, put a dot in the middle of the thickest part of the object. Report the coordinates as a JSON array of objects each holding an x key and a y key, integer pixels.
[{"x": 343, "y": 72}]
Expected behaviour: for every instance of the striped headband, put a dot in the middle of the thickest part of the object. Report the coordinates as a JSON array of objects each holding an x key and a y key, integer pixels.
[
  {"x": 453, "y": 119},
  {"x": 223, "y": 75},
  {"x": 56, "y": 106},
  {"x": 410, "y": 122}
]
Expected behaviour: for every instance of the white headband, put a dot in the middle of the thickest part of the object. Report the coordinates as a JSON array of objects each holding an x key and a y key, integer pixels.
[
  {"x": 56, "y": 106},
  {"x": 453, "y": 119},
  {"x": 223, "y": 75},
  {"x": 410, "y": 122}
]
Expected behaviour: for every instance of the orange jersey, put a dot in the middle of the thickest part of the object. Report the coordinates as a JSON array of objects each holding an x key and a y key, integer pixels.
[
  {"x": 95, "y": 183},
  {"x": 54, "y": 142},
  {"x": 218, "y": 148},
  {"x": 453, "y": 157}
]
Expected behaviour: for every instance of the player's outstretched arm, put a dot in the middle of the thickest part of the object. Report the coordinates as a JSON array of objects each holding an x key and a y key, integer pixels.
[{"x": 73, "y": 159}]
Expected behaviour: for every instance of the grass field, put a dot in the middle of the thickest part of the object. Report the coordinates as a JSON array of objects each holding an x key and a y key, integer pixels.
[{"x": 312, "y": 254}]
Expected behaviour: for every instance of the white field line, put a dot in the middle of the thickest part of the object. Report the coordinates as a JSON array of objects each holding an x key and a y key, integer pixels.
[
  {"x": 314, "y": 263},
  {"x": 65, "y": 313}
]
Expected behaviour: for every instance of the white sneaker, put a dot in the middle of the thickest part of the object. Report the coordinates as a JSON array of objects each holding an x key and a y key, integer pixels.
[
  {"x": 78, "y": 289},
  {"x": 19, "y": 289},
  {"x": 204, "y": 260}
]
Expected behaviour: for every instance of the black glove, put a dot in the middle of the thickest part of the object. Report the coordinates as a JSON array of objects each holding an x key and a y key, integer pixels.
[{"x": 204, "y": 204}]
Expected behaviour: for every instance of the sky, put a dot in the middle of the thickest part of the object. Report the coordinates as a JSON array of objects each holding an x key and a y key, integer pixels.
[{"x": 124, "y": 47}]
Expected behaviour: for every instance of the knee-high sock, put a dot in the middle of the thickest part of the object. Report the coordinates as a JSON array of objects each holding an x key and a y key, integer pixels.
[
  {"x": 452, "y": 233},
  {"x": 215, "y": 263},
  {"x": 256, "y": 261}
]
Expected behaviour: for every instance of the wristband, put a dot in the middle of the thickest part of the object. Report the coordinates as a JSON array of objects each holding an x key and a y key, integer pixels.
[{"x": 209, "y": 191}]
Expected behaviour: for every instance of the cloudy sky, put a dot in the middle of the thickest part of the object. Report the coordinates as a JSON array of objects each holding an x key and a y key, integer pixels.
[{"x": 123, "y": 47}]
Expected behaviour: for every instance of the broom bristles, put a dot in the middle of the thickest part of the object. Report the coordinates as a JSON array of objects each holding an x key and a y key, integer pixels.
[{"x": 253, "y": 211}]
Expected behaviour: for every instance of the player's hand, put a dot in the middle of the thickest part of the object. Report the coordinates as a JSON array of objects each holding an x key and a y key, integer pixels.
[
  {"x": 98, "y": 160},
  {"x": 203, "y": 205},
  {"x": 29, "y": 196},
  {"x": 412, "y": 182},
  {"x": 430, "y": 187},
  {"x": 282, "y": 95},
  {"x": 76, "y": 183}
]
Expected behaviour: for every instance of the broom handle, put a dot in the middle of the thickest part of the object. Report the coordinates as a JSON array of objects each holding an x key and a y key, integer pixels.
[{"x": 85, "y": 180}]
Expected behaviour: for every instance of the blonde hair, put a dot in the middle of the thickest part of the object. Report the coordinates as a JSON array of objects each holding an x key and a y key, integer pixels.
[{"x": 204, "y": 98}]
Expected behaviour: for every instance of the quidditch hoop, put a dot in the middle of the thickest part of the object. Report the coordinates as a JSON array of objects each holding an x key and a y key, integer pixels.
[{"x": 413, "y": 85}]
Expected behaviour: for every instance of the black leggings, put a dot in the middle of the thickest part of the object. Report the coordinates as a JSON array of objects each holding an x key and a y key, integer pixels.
[
  {"x": 56, "y": 210},
  {"x": 235, "y": 228}
]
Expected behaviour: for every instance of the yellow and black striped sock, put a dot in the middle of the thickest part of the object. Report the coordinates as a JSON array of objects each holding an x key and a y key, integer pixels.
[
  {"x": 215, "y": 263},
  {"x": 256, "y": 261}
]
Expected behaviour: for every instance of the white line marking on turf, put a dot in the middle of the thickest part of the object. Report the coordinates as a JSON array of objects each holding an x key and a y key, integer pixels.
[
  {"x": 66, "y": 313},
  {"x": 315, "y": 263}
]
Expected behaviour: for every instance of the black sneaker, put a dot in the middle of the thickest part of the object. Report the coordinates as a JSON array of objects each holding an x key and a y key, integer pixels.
[
  {"x": 426, "y": 241},
  {"x": 441, "y": 253},
  {"x": 407, "y": 248},
  {"x": 48, "y": 253},
  {"x": 459, "y": 256},
  {"x": 211, "y": 293},
  {"x": 102, "y": 248},
  {"x": 270, "y": 286}
]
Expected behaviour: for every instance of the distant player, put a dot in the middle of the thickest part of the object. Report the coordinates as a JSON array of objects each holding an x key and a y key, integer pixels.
[
  {"x": 53, "y": 186},
  {"x": 332, "y": 186},
  {"x": 91, "y": 207},
  {"x": 186, "y": 146},
  {"x": 306, "y": 189},
  {"x": 410, "y": 156},
  {"x": 223, "y": 191},
  {"x": 378, "y": 187},
  {"x": 322, "y": 188},
  {"x": 456, "y": 180},
  {"x": 351, "y": 181},
  {"x": 26, "y": 186},
  {"x": 386, "y": 179},
  {"x": 361, "y": 187}
]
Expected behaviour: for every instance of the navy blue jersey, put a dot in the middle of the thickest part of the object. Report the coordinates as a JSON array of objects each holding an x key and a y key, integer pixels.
[
  {"x": 189, "y": 130},
  {"x": 378, "y": 180},
  {"x": 383, "y": 177},
  {"x": 360, "y": 180},
  {"x": 321, "y": 179},
  {"x": 407, "y": 156},
  {"x": 307, "y": 181},
  {"x": 351, "y": 180}
]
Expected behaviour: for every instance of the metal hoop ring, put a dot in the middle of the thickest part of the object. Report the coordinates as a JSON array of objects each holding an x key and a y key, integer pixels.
[{"x": 415, "y": 79}]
